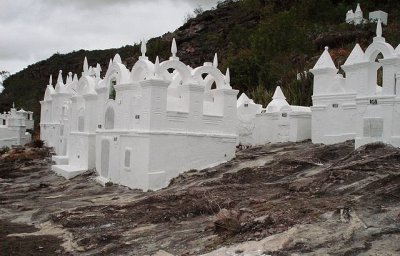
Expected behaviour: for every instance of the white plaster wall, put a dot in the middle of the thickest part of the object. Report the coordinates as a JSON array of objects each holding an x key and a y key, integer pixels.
[
  {"x": 136, "y": 175},
  {"x": 175, "y": 153},
  {"x": 81, "y": 147},
  {"x": 300, "y": 127},
  {"x": 333, "y": 125}
]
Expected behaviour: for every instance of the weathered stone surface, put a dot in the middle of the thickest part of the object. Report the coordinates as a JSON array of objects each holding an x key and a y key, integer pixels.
[{"x": 291, "y": 198}]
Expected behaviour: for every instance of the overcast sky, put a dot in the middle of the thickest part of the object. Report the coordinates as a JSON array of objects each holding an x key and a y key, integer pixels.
[{"x": 33, "y": 30}]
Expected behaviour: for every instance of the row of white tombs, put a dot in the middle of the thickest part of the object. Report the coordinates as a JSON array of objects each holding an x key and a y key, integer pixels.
[
  {"x": 15, "y": 127},
  {"x": 144, "y": 126}
]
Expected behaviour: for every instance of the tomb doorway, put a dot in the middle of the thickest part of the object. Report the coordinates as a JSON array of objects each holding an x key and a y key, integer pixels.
[{"x": 105, "y": 158}]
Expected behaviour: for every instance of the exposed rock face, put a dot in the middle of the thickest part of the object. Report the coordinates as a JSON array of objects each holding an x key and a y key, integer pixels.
[{"x": 277, "y": 199}]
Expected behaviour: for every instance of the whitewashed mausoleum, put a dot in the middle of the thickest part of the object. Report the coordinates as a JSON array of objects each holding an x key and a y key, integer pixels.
[
  {"x": 278, "y": 122},
  {"x": 355, "y": 106},
  {"x": 141, "y": 127},
  {"x": 13, "y": 127},
  {"x": 357, "y": 17}
]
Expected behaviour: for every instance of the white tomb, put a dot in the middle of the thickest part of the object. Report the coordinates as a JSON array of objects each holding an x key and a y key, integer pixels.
[
  {"x": 279, "y": 122},
  {"x": 55, "y": 112},
  {"x": 144, "y": 126},
  {"x": 334, "y": 109},
  {"x": 13, "y": 126},
  {"x": 355, "y": 107},
  {"x": 379, "y": 15},
  {"x": 247, "y": 111},
  {"x": 357, "y": 17}
]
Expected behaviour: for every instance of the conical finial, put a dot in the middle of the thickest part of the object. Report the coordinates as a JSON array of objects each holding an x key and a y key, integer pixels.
[
  {"x": 13, "y": 104},
  {"x": 60, "y": 79},
  {"x": 215, "y": 62},
  {"x": 325, "y": 61},
  {"x": 358, "y": 9},
  {"x": 157, "y": 67},
  {"x": 174, "y": 48},
  {"x": 51, "y": 80},
  {"x": 75, "y": 79},
  {"x": 278, "y": 94},
  {"x": 144, "y": 48},
  {"x": 98, "y": 70},
  {"x": 227, "y": 77},
  {"x": 117, "y": 58},
  {"x": 85, "y": 65},
  {"x": 69, "y": 78},
  {"x": 356, "y": 56},
  {"x": 379, "y": 28}
]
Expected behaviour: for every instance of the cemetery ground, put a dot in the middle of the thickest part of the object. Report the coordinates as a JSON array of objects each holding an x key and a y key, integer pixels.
[{"x": 276, "y": 199}]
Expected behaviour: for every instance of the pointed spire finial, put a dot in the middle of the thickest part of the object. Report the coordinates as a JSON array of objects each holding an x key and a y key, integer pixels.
[
  {"x": 144, "y": 48},
  {"x": 60, "y": 79},
  {"x": 51, "y": 80},
  {"x": 215, "y": 62},
  {"x": 75, "y": 79},
  {"x": 356, "y": 56},
  {"x": 358, "y": 9},
  {"x": 227, "y": 77},
  {"x": 85, "y": 65},
  {"x": 157, "y": 67},
  {"x": 174, "y": 48},
  {"x": 98, "y": 70},
  {"x": 13, "y": 104},
  {"x": 325, "y": 60},
  {"x": 379, "y": 28},
  {"x": 278, "y": 94},
  {"x": 69, "y": 78},
  {"x": 117, "y": 58}
]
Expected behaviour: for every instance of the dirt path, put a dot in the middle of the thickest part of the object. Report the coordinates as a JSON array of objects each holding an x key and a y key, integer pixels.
[{"x": 282, "y": 198}]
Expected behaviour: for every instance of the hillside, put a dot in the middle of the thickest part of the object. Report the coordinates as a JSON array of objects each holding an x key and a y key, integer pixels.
[
  {"x": 277, "y": 199},
  {"x": 265, "y": 43}
]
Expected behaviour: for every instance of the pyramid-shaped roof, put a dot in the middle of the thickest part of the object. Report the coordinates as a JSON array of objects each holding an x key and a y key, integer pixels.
[
  {"x": 278, "y": 101},
  {"x": 356, "y": 56},
  {"x": 278, "y": 94},
  {"x": 325, "y": 61}
]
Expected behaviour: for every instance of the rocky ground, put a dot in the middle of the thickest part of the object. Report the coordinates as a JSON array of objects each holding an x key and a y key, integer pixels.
[{"x": 279, "y": 199}]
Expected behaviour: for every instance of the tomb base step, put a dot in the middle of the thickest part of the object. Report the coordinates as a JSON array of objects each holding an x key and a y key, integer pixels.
[
  {"x": 60, "y": 160},
  {"x": 395, "y": 141},
  {"x": 360, "y": 141},
  {"x": 68, "y": 171},
  {"x": 339, "y": 138},
  {"x": 102, "y": 181}
]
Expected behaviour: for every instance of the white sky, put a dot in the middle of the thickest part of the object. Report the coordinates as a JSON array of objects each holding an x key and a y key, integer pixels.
[{"x": 33, "y": 30}]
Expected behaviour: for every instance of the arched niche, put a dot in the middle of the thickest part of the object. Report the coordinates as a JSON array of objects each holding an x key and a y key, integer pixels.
[
  {"x": 116, "y": 74},
  {"x": 180, "y": 67},
  {"x": 109, "y": 118},
  {"x": 212, "y": 73},
  {"x": 177, "y": 73},
  {"x": 174, "y": 89},
  {"x": 118, "y": 71},
  {"x": 385, "y": 69},
  {"x": 141, "y": 70},
  {"x": 379, "y": 47},
  {"x": 112, "y": 93},
  {"x": 86, "y": 85}
]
